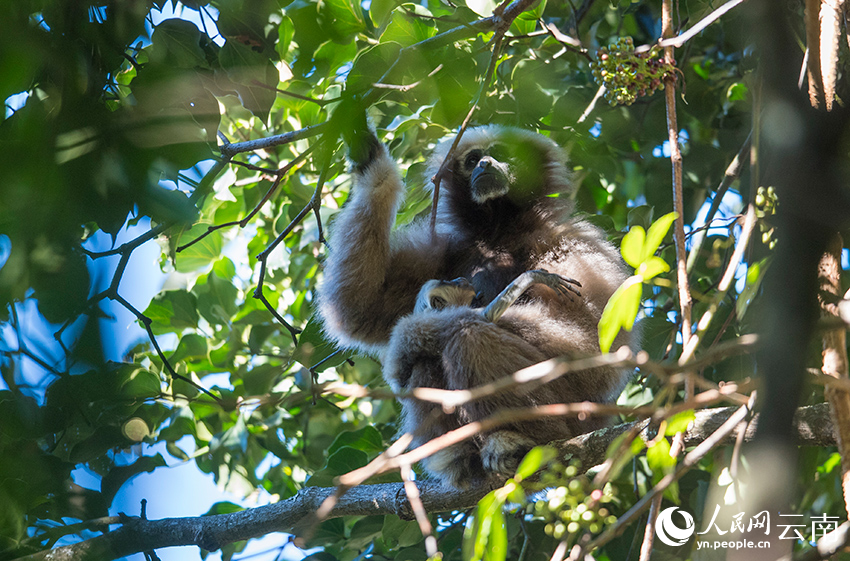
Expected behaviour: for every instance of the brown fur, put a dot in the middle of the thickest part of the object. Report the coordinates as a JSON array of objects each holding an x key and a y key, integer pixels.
[{"x": 373, "y": 275}]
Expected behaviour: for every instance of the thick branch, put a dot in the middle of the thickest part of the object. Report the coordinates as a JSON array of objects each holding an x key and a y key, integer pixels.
[{"x": 813, "y": 427}]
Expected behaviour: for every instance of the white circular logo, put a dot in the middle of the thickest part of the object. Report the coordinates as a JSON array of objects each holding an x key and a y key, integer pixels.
[{"x": 668, "y": 532}]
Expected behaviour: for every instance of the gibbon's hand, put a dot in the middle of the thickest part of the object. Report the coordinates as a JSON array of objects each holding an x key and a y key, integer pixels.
[
  {"x": 561, "y": 285},
  {"x": 349, "y": 119},
  {"x": 506, "y": 299}
]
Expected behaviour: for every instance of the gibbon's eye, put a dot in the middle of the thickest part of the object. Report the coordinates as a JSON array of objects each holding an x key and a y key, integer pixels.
[
  {"x": 500, "y": 152},
  {"x": 438, "y": 303},
  {"x": 472, "y": 158}
]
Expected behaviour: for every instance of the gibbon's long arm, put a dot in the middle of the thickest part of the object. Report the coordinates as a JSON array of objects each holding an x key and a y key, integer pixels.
[
  {"x": 562, "y": 285},
  {"x": 369, "y": 272}
]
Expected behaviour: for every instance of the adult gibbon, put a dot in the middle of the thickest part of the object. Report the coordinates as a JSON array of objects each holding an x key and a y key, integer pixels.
[
  {"x": 417, "y": 356},
  {"x": 496, "y": 219}
]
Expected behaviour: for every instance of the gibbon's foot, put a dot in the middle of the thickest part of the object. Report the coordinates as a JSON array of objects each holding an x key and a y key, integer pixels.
[
  {"x": 458, "y": 466},
  {"x": 562, "y": 285},
  {"x": 503, "y": 451}
]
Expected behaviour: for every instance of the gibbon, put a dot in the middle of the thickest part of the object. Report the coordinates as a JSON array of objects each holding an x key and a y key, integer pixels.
[
  {"x": 499, "y": 215},
  {"x": 416, "y": 355}
]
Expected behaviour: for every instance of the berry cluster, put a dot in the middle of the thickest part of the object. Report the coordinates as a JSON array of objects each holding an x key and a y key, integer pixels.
[
  {"x": 574, "y": 506},
  {"x": 627, "y": 75},
  {"x": 766, "y": 203}
]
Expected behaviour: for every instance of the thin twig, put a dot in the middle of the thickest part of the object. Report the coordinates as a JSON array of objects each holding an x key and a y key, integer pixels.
[
  {"x": 697, "y": 28},
  {"x": 280, "y": 174},
  {"x": 733, "y": 171},
  {"x": 419, "y": 511},
  {"x": 723, "y": 286}
]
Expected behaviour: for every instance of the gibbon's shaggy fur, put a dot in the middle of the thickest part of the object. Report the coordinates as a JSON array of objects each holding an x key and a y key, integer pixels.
[{"x": 496, "y": 220}]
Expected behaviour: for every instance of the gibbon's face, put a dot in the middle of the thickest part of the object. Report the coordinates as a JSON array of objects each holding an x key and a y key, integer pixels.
[
  {"x": 439, "y": 294},
  {"x": 502, "y": 166}
]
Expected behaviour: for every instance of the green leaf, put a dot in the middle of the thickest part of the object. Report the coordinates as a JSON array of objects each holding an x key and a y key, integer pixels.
[
  {"x": 485, "y": 536},
  {"x": 679, "y": 422},
  {"x": 285, "y": 32},
  {"x": 177, "y": 43},
  {"x": 367, "y": 439},
  {"x": 641, "y": 216},
  {"x": 313, "y": 347},
  {"x": 483, "y": 8},
  {"x": 342, "y": 461},
  {"x": 632, "y": 246},
  {"x": 536, "y": 458},
  {"x": 191, "y": 346},
  {"x": 380, "y": 11},
  {"x": 400, "y": 533},
  {"x": 117, "y": 476},
  {"x": 173, "y": 311},
  {"x": 755, "y": 274},
  {"x": 656, "y": 234},
  {"x": 659, "y": 459},
  {"x": 199, "y": 254},
  {"x": 223, "y": 507},
  {"x": 141, "y": 384},
  {"x": 407, "y": 30},
  {"x": 364, "y": 532},
  {"x": 341, "y": 19},
  {"x": 652, "y": 267},
  {"x": 620, "y": 312},
  {"x": 216, "y": 298}
]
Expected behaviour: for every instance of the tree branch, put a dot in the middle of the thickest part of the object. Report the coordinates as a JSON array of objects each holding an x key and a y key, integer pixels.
[{"x": 813, "y": 428}]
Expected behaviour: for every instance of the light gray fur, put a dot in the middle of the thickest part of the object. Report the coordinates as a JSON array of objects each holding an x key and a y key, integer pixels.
[{"x": 373, "y": 276}]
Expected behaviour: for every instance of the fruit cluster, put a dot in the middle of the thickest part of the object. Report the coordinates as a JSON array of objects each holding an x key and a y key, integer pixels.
[
  {"x": 627, "y": 75},
  {"x": 766, "y": 203},
  {"x": 572, "y": 506}
]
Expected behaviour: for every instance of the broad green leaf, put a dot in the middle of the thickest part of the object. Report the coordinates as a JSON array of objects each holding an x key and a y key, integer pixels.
[
  {"x": 216, "y": 298},
  {"x": 285, "y": 32},
  {"x": 401, "y": 533},
  {"x": 632, "y": 246},
  {"x": 117, "y": 476},
  {"x": 483, "y": 8},
  {"x": 620, "y": 312},
  {"x": 407, "y": 30},
  {"x": 485, "y": 536},
  {"x": 536, "y": 458},
  {"x": 199, "y": 254},
  {"x": 141, "y": 384},
  {"x": 652, "y": 267},
  {"x": 177, "y": 43},
  {"x": 656, "y": 234},
  {"x": 367, "y": 439},
  {"x": 659, "y": 459},
  {"x": 341, "y": 19},
  {"x": 173, "y": 311},
  {"x": 755, "y": 274},
  {"x": 224, "y": 507},
  {"x": 191, "y": 346},
  {"x": 679, "y": 422},
  {"x": 313, "y": 348},
  {"x": 365, "y": 531},
  {"x": 641, "y": 216},
  {"x": 380, "y": 11}
]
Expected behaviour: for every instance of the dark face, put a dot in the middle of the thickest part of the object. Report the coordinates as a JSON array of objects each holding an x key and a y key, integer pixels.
[
  {"x": 511, "y": 167},
  {"x": 489, "y": 172}
]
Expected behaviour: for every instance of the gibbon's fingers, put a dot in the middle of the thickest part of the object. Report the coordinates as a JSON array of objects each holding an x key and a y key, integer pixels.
[
  {"x": 565, "y": 286},
  {"x": 350, "y": 119},
  {"x": 561, "y": 285}
]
